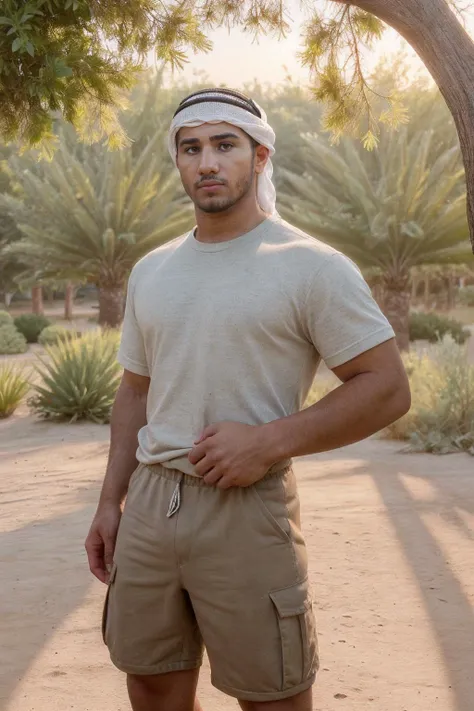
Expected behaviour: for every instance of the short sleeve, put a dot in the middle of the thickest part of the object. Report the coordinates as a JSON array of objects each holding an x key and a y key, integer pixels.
[
  {"x": 131, "y": 354},
  {"x": 342, "y": 318}
]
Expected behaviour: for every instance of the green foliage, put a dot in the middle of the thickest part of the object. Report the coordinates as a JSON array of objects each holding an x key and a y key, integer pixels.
[
  {"x": 31, "y": 325},
  {"x": 50, "y": 335},
  {"x": 13, "y": 387},
  {"x": 467, "y": 295},
  {"x": 91, "y": 213},
  {"x": 391, "y": 210},
  {"x": 432, "y": 327},
  {"x": 79, "y": 379},
  {"x": 76, "y": 58},
  {"x": 441, "y": 419},
  {"x": 6, "y": 319},
  {"x": 11, "y": 340}
]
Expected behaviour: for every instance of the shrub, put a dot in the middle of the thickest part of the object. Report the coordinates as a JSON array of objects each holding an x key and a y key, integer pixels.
[
  {"x": 433, "y": 327},
  {"x": 441, "y": 419},
  {"x": 79, "y": 380},
  {"x": 6, "y": 319},
  {"x": 50, "y": 335},
  {"x": 31, "y": 325},
  {"x": 467, "y": 295},
  {"x": 13, "y": 387},
  {"x": 11, "y": 341}
]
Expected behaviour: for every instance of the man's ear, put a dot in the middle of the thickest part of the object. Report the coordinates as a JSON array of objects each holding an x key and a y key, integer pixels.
[{"x": 262, "y": 155}]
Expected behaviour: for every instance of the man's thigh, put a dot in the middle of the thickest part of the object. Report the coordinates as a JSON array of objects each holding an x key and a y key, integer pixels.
[
  {"x": 149, "y": 625},
  {"x": 248, "y": 584}
]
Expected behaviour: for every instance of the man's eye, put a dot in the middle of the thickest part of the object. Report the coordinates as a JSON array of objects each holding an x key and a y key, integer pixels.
[
  {"x": 226, "y": 146},
  {"x": 191, "y": 151}
]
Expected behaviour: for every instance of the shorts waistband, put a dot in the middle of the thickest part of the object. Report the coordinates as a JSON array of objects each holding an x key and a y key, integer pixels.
[{"x": 190, "y": 480}]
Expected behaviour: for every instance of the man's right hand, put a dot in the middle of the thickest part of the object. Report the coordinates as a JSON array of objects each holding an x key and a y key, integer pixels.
[{"x": 100, "y": 543}]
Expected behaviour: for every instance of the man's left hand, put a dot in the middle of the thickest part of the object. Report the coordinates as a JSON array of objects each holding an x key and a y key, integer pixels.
[{"x": 231, "y": 454}]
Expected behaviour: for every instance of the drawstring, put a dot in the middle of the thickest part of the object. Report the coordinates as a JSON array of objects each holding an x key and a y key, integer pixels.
[{"x": 175, "y": 501}]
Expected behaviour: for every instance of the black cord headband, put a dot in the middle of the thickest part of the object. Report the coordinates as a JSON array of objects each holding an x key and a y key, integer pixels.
[{"x": 222, "y": 96}]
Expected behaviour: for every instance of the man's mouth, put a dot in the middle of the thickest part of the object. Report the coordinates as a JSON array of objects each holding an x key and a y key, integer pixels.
[{"x": 210, "y": 185}]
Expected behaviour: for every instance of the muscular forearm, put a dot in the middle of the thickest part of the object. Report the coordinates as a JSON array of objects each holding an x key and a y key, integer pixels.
[
  {"x": 128, "y": 417},
  {"x": 357, "y": 409}
]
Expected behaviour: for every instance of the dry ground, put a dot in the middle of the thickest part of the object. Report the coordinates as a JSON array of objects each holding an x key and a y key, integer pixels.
[{"x": 390, "y": 540}]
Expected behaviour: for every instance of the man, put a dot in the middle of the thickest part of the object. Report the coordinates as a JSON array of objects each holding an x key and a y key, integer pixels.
[{"x": 223, "y": 332}]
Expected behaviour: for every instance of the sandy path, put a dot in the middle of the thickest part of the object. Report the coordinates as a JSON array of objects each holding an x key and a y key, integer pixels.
[{"x": 390, "y": 544}]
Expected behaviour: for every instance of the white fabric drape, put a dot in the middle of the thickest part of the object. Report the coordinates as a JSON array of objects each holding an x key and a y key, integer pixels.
[{"x": 259, "y": 129}]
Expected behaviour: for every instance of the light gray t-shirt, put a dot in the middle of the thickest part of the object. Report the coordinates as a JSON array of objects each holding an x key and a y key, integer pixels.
[{"x": 236, "y": 330}]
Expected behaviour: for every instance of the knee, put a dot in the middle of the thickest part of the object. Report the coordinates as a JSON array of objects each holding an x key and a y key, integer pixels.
[
  {"x": 144, "y": 686},
  {"x": 163, "y": 691}
]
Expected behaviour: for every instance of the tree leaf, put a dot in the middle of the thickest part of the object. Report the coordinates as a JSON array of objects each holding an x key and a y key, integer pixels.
[{"x": 17, "y": 44}]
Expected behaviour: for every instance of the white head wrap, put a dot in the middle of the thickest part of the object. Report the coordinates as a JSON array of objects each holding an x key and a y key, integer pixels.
[{"x": 219, "y": 112}]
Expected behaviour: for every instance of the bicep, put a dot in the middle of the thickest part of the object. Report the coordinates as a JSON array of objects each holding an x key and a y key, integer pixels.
[
  {"x": 383, "y": 360},
  {"x": 133, "y": 381}
]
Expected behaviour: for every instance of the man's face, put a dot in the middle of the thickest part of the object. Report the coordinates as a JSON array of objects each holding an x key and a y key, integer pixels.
[{"x": 218, "y": 165}]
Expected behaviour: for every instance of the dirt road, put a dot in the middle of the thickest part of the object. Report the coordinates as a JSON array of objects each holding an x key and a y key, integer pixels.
[{"x": 390, "y": 540}]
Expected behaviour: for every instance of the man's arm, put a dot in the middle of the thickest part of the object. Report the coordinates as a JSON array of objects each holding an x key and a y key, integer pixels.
[
  {"x": 374, "y": 393},
  {"x": 128, "y": 417}
]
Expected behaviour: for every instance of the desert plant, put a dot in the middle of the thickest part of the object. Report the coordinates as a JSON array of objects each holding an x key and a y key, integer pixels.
[
  {"x": 467, "y": 295},
  {"x": 50, "y": 335},
  {"x": 31, "y": 325},
  {"x": 433, "y": 327},
  {"x": 393, "y": 209},
  {"x": 11, "y": 340},
  {"x": 5, "y": 318},
  {"x": 91, "y": 213},
  {"x": 13, "y": 387},
  {"x": 441, "y": 419},
  {"x": 79, "y": 378}
]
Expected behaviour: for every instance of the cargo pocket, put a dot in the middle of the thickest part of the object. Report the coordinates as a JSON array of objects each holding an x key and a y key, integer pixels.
[
  {"x": 105, "y": 611},
  {"x": 299, "y": 646}
]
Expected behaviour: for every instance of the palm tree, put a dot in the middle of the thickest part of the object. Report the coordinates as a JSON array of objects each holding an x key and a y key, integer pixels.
[
  {"x": 91, "y": 213},
  {"x": 388, "y": 210}
]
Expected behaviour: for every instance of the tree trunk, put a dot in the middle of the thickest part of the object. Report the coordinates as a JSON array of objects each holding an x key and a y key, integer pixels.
[
  {"x": 111, "y": 306},
  {"x": 447, "y": 51},
  {"x": 68, "y": 301},
  {"x": 37, "y": 300},
  {"x": 427, "y": 293},
  {"x": 450, "y": 293},
  {"x": 397, "y": 308}
]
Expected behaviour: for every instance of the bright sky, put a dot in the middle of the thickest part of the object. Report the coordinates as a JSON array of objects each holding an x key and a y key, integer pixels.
[{"x": 236, "y": 59}]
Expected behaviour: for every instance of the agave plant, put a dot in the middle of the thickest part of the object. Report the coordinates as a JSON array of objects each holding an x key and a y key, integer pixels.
[
  {"x": 14, "y": 385},
  {"x": 390, "y": 210},
  {"x": 79, "y": 378}
]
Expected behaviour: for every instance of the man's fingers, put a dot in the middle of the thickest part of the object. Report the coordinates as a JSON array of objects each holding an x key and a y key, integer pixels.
[
  {"x": 203, "y": 467},
  {"x": 208, "y": 431},
  {"x": 108, "y": 557},
  {"x": 197, "y": 453},
  {"x": 101, "y": 574},
  {"x": 224, "y": 483},
  {"x": 213, "y": 476},
  {"x": 95, "y": 555}
]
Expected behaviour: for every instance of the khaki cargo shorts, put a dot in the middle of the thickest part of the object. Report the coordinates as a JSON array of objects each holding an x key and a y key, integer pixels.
[{"x": 195, "y": 565}]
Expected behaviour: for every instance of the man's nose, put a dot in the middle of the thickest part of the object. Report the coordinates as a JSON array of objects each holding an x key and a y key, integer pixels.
[{"x": 209, "y": 163}]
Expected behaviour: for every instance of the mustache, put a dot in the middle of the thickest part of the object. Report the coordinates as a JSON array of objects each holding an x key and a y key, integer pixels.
[{"x": 210, "y": 181}]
